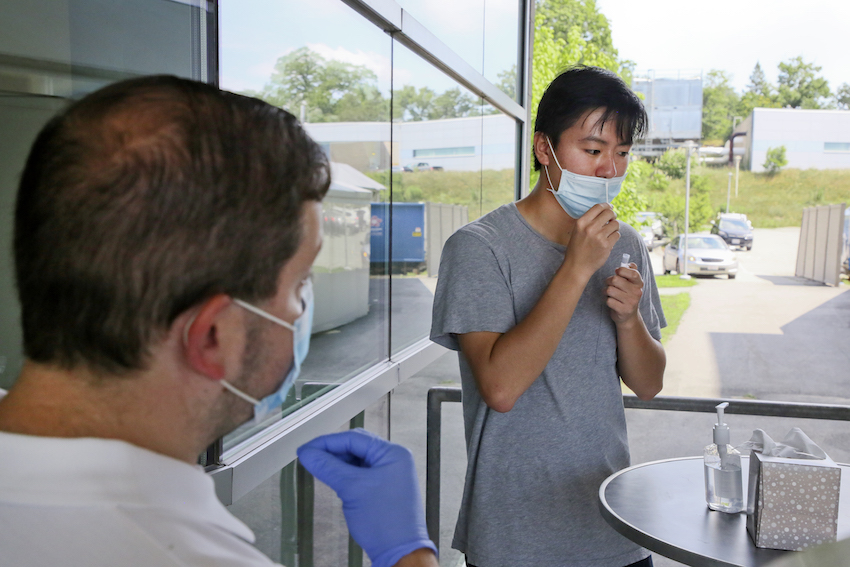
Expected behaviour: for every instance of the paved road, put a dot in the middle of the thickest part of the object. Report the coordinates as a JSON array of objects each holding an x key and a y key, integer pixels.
[{"x": 765, "y": 334}]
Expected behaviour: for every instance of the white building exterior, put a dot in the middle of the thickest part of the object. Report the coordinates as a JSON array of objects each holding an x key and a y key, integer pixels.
[
  {"x": 818, "y": 139},
  {"x": 458, "y": 144}
]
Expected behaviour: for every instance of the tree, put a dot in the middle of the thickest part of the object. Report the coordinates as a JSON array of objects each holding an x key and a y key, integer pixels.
[
  {"x": 593, "y": 29},
  {"x": 674, "y": 162},
  {"x": 800, "y": 86},
  {"x": 328, "y": 91},
  {"x": 759, "y": 93},
  {"x": 507, "y": 81},
  {"x": 758, "y": 82},
  {"x": 842, "y": 97},
  {"x": 630, "y": 200},
  {"x": 775, "y": 160},
  {"x": 672, "y": 206},
  {"x": 719, "y": 104},
  {"x": 454, "y": 104}
]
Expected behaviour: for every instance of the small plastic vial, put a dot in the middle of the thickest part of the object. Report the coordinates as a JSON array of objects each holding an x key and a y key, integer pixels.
[
  {"x": 624, "y": 263},
  {"x": 724, "y": 490}
]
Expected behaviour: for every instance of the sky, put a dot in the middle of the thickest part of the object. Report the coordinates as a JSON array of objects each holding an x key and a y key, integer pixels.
[{"x": 732, "y": 35}]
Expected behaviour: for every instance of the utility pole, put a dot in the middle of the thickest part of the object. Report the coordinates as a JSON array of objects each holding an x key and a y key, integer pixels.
[
  {"x": 690, "y": 145},
  {"x": 729, "y": 191},
  {"x": 737, "y": 165}
]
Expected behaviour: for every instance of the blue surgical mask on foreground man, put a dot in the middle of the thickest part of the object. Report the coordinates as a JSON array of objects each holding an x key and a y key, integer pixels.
[{"x": 143, "y": 343}]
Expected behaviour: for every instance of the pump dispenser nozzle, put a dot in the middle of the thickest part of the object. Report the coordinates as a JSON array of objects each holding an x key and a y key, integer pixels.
[{"x": 721, "y": 430}]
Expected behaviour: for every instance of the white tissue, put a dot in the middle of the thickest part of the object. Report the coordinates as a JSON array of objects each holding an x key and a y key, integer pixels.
[{"x": 796, "y": 445}]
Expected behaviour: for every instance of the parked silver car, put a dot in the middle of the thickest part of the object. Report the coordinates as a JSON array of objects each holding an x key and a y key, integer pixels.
[{"x": 708, "y": 254}]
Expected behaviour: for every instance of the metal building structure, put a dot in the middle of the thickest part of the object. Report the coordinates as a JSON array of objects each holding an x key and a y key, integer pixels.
[{"x": 673, "y": 101}]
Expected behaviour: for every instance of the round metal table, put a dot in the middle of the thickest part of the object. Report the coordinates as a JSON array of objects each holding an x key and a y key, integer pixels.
[{"x": 661, "y": 506}]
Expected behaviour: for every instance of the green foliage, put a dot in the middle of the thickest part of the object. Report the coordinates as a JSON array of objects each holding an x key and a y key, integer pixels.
[
  {"x": 332, "y": 91},
  {"x": 719, "y": 104},
  {"x": 674, "y": 162},
  {"x": 630, "y": 200},
  {"x": 324, "y": 89},
  {"x": 670, "y": 280},
  {"x": 777, "y": 201},
  {"x": 842, "y": 97},
  {"x": 775, "y": 161},
  {"x": 569, "y": 33},
  {"x": 453, "y": 187},
  {"x": 674, "y": 306},
  {"x": 410, "y": 103},
  {"x": 799, "y": 85}
]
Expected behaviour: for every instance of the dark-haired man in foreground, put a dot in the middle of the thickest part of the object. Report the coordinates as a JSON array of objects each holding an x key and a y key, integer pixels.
[
  {"x": 547, "y": 322},
  {"x": 164, "y": 236}
]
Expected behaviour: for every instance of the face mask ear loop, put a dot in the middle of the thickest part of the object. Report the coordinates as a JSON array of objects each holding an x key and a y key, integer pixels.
[
  {"x": 239, "y": 393},
  {"x": 263, "y": 314},
  {"x": 546, "y": 167}
]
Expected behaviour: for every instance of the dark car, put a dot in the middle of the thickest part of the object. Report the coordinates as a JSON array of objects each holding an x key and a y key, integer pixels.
[{"x": 735, "y": 229}]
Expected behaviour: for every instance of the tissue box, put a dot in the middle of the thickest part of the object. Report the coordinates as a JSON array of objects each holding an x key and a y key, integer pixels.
[{"x": 792, "y": 503}]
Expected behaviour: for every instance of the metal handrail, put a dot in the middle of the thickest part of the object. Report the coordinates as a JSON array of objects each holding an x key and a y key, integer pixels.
[
  {"x": 436, "y": 396},
  {"x": 439, "y": 394}
]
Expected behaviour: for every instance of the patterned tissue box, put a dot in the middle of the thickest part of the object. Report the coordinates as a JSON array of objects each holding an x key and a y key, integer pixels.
[{"x": 792, "y": 503}]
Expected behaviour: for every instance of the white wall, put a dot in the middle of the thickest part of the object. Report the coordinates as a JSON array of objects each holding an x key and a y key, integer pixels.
[
  {"x": 492, "y": 138},
  {"x": 803, "y": 133}
]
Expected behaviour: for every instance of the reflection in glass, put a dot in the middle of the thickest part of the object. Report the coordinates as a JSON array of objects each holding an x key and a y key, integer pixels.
[
  {"x": 437, "y": 137},
  {"x": 330, "y": 68},
  {"x": 53, "y": 51},
  {"x": 501, "y": 44},
  {"x": 484, "y": 33},
  {"x": 498, "y": 175},
  {"x": 460, "y": 25}
]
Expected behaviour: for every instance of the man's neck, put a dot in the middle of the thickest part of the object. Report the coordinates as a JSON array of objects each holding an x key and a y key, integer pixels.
[
  {"x": 542, "y": 211},
  {"x": 53, "y": 402}
]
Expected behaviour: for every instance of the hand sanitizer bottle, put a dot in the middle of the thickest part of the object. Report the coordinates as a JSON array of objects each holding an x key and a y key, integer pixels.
[{"x": 723, "y": 480}]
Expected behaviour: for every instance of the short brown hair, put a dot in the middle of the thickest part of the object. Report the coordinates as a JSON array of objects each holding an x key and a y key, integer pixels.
[{"x": 145, "y": 198}]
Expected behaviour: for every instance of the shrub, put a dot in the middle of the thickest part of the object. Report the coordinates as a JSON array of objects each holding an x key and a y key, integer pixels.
[{"x": 775, "y": 161}]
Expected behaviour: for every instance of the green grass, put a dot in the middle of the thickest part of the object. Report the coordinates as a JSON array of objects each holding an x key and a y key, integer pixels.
[
  {"x": 674, "y": 307},
  {"x": 777, "y": 201},
  {"x": 674, "y": 280}
]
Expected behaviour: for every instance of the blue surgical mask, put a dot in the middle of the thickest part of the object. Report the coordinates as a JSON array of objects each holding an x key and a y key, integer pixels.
[
  {"x": 300, "y": 346},
  {"x": 577, "y": 193}
]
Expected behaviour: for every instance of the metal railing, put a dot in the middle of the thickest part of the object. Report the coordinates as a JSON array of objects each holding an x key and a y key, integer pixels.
[{"x": 440, "y": 394}]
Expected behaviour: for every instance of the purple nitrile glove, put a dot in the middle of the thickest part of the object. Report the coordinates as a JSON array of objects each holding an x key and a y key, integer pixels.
[{"x": 376, "y": 481}]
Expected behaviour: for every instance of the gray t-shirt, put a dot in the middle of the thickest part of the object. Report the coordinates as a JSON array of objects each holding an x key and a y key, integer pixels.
[{"x": 530, "y": 496}]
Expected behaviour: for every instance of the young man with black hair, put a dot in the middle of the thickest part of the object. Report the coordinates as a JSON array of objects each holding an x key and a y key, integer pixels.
[
  {"x": 164, "y": 236},
  {"x": 547, "y": 322}
]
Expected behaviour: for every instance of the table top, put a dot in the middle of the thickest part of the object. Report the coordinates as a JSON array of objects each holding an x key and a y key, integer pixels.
[{"x": 661, "y": 506}]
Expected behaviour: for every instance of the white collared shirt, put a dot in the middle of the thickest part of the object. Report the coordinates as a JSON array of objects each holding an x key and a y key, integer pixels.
[{"x": 105, "y": 503}]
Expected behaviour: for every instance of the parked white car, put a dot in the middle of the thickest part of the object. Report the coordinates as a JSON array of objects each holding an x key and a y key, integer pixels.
[{"x": 708, "y": 254}]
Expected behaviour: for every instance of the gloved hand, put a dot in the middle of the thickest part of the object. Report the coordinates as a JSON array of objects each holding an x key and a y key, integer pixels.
[{"x": 376, "y": 481}]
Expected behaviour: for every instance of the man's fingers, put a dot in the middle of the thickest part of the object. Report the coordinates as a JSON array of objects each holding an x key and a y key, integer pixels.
[
  {"x": 326, "y": 467},
  {"x": 359, "y": 443}
]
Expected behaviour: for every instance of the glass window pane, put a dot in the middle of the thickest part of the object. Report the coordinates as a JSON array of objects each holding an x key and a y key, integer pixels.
[
  {"x": 501, "y": 44},
  {"x": 437, "y": 130},
  {"x": 331, "y": 68},
  {"x": 298, "y": 520},
  {"x": 498, "y": 171},
  {"x": 458, "y": 24},
  {"x": 58, "y": 50}
]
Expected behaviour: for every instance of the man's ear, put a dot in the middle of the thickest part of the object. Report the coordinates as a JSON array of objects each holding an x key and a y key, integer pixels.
[
  {"x": 541, "y": 148},
  {"x": 208, "y": 337}
]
